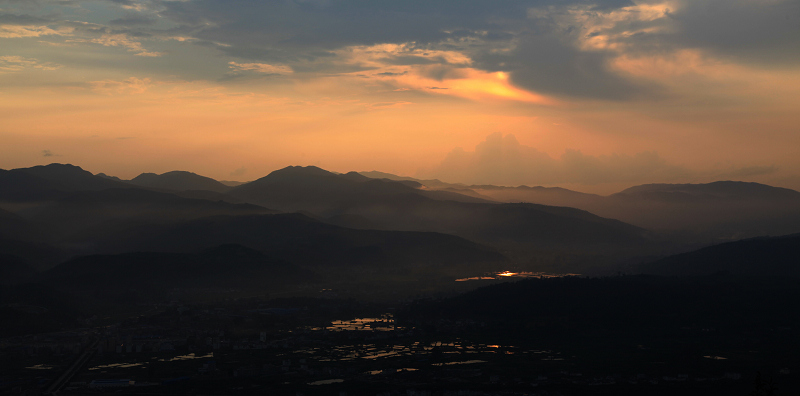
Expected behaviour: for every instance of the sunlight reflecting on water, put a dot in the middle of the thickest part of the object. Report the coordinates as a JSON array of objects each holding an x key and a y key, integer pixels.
[
  {"x": 462, "y": 362},
  {"x": 187, "y": 357},
  {"x": 116, "y": 365},
  {"x": 41, "y": 367}
]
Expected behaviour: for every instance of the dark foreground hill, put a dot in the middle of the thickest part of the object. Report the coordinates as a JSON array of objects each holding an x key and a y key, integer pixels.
[
  {"x": 777, "y": 256},
  {"x": 625, "y": 301},
  {"x": 640, "y": 325},
  {"x": 15, "y": 269}
]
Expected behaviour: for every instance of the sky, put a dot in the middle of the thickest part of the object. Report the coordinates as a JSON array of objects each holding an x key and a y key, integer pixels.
[{"x": 594, "y": 95}]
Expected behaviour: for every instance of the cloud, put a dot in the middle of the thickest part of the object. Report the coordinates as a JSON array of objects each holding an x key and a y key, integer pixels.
[
  {"x": 48, "y": 153},
  {"x": 503, "y": 160},
  {"x": 745, "y": 172},
  {"x": 261, "y": 68},
  {"x": 754, "y": 31},
  {"x": 10, "y": 63},
  {"x": 596, "y": 49},
  {"x": 122, "y": 40},
  {"x": 387, "y": 105},
  {"x": 239, "y": 171},
  {"x": 565, "y": 48},
  {"x": 21, "y": 31},
  {"x": 324, "y": 36},
  {"x": 130, "y": 85}
]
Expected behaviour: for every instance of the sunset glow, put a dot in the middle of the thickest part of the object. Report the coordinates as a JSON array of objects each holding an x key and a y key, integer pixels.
[{"x": 234, "y": 91}]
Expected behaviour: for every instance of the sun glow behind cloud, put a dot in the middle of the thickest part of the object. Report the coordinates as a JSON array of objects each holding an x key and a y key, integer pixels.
[{"x": 434, "y": 71}]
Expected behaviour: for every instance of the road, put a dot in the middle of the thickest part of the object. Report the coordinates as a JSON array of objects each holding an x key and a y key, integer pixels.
[{"x": 73, "y": 369}]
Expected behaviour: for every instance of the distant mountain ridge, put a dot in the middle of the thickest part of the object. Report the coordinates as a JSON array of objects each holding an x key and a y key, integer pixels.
[
  {"x": 50, "y": 181},
  {"x": 720, "y": 189},
  {"x": 179, "y": 181},
  {"x": 709, "y": 211}
]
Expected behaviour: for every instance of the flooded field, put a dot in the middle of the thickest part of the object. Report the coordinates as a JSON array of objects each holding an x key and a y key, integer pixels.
[
  {"x": 512, "y": 274},
  {"x": 383, "y": 323},
  {"x": 446, "y": 353}
]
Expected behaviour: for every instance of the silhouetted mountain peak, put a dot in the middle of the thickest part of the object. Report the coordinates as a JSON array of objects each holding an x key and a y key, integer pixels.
[
  {"x": 145, "y": 176},
  {"x": 297, "y": 171},
  {"x": 355, "y": 176},
  {"x": 431, "y": 183},
  {"x": 105, "y": 176},
  {"x": 179, "y": 181},
  {"x": 56, "y": 170},
  {"x": 172, "y": 174},
  {"x": 48, "y": 181}
]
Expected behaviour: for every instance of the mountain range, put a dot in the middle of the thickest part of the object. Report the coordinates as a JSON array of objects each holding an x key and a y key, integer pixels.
[{"x": 326, "y": 222}]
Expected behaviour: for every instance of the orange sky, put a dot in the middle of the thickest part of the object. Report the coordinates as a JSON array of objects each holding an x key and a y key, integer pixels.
[{"x": 146, "y": 86}]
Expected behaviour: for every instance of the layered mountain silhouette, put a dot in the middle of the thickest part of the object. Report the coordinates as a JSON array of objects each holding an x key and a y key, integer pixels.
[
  {"x": 49, "y": 213},
  {"x": 126, "y": 226},
  {"x": 354, "y": 200},
  {"x": 85, "y": 209},
  {"x": 711, "y": 211},
  {"x": 303, "y": 241},
  {"x": 83, "y": 214},
  {"x": 555, "y": 196}
]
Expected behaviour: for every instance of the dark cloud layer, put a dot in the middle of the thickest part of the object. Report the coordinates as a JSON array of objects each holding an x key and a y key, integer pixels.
[
  {"x": 134, "y": 20},
  {"x": 545, "y": 45},
  {"x": 539, "y": 57},
  {"x": 754, "y": 31}
]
